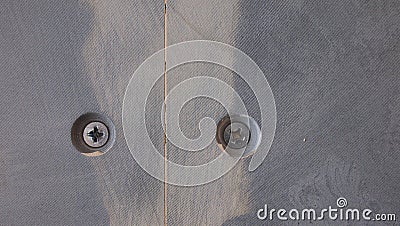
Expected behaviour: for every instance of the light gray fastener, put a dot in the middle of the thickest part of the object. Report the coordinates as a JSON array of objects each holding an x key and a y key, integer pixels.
[
  {"x": 237, "y": 132},
  {"x": 236, "y": 135},
  {"x": 95, "y": 134}
]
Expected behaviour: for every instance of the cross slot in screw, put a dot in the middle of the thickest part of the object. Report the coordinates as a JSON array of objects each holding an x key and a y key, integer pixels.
[{"x": 95, "y": 134}]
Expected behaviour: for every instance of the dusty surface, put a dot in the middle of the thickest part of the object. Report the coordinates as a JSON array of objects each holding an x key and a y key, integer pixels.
[{"x": 333, "y": 67}]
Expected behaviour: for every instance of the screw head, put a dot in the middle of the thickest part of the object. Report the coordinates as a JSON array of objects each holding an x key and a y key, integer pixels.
[
  {"x": 236, "y": 132},
  {"x": 236, "y": 135},
  {"x": 95, "y": 134}
]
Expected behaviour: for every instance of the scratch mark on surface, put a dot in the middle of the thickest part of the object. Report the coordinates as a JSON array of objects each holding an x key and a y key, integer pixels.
[{"x": 165, "y": 126}]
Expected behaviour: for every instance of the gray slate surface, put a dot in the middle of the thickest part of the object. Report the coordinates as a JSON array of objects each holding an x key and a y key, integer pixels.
[{"x": 333, "y": 67}]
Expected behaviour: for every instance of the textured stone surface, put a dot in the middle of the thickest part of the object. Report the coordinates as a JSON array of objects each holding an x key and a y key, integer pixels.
[{"x": 333, "y": 67}]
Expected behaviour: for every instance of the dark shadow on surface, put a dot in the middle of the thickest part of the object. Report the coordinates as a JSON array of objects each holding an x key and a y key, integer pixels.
[{"x": 44, "y": 89}]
